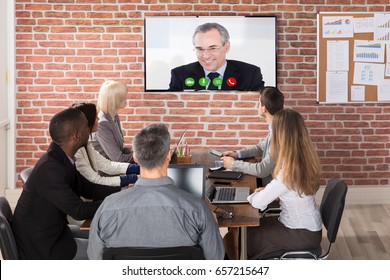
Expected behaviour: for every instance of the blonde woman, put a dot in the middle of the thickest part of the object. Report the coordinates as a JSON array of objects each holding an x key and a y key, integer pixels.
[
  {"x": 93, "y": 165},
  {"x": 296, "y": 181},
  {"x": 108, "y": 140}
]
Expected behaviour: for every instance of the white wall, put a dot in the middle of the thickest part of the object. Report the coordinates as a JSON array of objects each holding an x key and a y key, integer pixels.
[{"x": 7, "y": 96}]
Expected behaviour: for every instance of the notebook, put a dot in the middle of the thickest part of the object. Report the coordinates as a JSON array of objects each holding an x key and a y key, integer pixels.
[
  {"x": 218, "y": 194},
  {"x": 226, "y": 174},
  {"x": 189, "y": 177}
]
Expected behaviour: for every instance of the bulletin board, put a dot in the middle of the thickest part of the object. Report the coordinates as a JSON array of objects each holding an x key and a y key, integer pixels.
[{"x": 353, "y": 52}]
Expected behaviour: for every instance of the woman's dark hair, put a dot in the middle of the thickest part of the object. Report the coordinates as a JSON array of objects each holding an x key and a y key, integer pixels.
[{"x": 89, "y": 110}]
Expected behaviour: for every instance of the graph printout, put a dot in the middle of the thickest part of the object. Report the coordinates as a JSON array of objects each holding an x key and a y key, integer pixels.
[
  {"x": 368, "y": 73},
  {"x": 369, "y": 51},
  {"x": 337, "y": 27},
  {"x": 382, "y": 28}
]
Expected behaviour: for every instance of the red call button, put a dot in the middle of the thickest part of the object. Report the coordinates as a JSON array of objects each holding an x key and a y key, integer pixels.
[{"x": 231, "y": 82}]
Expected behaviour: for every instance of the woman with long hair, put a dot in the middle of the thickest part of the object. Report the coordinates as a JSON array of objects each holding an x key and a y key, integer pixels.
[
  {"x": 93, "y": 166},
  {"x": 297, "y": 179}
]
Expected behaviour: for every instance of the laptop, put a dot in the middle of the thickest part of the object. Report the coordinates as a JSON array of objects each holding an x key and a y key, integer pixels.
[
  {"x": 222, "y": 194},
  {"x": 174, "y": 150},
  {"x": 189, "y": 177}
]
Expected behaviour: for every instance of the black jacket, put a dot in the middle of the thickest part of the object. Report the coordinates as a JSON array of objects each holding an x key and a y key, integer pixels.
[
  {"x": 248, "y": 77},
  {"x": 52, "y": 192}
]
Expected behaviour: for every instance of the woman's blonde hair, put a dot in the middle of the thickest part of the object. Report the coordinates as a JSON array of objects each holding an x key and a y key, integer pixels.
[
  {"x": 294, "y": 152},
  {"x": 111, "y": 95}
]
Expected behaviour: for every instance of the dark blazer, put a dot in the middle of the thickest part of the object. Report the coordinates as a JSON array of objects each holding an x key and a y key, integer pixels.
[
  {"x": 51, "y": 192},
  {"x": 248, "y": 76}
]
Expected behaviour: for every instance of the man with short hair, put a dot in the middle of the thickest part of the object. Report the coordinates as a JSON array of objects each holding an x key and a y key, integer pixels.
[
  {"x": 271, "y": 100},
  {"x": 213, "y": 71},
  {"x": 53, "y": 191},
  {"x": 154, "y": 213}
]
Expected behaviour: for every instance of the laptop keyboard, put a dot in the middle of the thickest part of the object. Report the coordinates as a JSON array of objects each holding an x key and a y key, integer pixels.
[{"x": 226, "y": 194}]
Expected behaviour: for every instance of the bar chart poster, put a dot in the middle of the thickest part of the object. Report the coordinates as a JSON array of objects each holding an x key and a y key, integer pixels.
[
  {"x": 337, "y": 27},
  {"x": 369, "y": 51},
  {"x": 382, "y": 28}
]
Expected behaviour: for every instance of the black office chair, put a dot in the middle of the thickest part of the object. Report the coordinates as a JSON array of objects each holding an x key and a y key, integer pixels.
[
  {"x": 25, "y": 174},
  {"x": 8, "y": 247},
  {"x": 168, "y": 253},
  {"x": 332, "y": 207}
]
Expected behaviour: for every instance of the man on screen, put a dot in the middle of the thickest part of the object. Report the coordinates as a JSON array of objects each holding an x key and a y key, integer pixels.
[{"x": 213, "y": 71}]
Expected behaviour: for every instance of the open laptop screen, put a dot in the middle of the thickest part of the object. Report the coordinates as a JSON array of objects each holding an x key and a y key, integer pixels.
[{"x": 189, "y": 177}]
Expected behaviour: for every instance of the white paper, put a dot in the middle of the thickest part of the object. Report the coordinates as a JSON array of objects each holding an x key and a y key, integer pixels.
[
  {"x": 336, "y": 86},
  {"x": 387, "y": 73},
  {"x": 358, "y": 93},
  {"x": 382, "y": 28},
  {"x": 368, "y": 73},
  {"x": 363, "y": 25},
  {"x": 337, "y": 27},
  {"x": 384, "y": 91},
  {"x": 369, "y": 51},
  {"x": 337, "y": 55}
]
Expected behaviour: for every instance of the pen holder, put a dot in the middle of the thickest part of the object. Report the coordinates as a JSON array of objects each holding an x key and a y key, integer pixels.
[{"x": 184, "y": 159}]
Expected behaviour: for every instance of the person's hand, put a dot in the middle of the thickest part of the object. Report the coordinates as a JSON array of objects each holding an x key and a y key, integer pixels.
[
  {"x": 128, "y": 179},
  {"x": 133, "y": 168},
  {"x": 232, "y": 154},
  {"x": 228, "y": 162},
  {"x": 259, "y": 189}
]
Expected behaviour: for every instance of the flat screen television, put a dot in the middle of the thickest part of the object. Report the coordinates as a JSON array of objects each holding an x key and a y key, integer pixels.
[{"x": 168, "y": 44}]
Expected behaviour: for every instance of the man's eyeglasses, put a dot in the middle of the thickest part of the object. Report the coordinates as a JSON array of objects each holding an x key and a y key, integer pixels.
[
  {"x": 224, "y": 214},
  {"x": 199, "y": 50}
]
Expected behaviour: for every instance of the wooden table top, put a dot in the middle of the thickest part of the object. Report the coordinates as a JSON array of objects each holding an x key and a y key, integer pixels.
[{"x": 244, "y": 214}]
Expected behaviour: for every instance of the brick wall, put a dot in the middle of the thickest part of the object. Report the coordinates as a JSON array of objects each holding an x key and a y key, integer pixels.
[{"x": 65, "y": 49}]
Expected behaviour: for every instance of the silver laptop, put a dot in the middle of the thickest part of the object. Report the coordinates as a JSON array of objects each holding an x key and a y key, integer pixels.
[{"x": 223, "y": 194}]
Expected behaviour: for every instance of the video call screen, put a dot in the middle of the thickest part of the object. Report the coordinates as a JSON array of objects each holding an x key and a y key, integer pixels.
[{"x": 168, "y": 44}]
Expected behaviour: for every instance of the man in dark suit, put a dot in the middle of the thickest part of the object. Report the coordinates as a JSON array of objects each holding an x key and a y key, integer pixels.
[
  {"x": 53, "y": 191},
  {"x": 213, "y": 71}
]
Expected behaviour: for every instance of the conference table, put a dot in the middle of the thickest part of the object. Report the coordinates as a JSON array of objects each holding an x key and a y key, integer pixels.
[{"x": 244, "y": 215}]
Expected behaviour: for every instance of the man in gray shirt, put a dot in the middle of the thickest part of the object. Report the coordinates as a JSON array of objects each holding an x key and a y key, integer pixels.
[
  {"x": 154, "y": 213},
  {"x": 271, "y": 100}
]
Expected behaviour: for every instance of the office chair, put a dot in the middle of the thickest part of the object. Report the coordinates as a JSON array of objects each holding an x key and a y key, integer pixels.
[
  {"x": 25, "y": 174},
  {"x": 142, "y": 253},
  {"x": 8, "y": 247},
  {"x": 331, "y": 209}
]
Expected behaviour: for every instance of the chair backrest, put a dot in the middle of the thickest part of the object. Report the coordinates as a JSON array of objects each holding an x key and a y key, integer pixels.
[
  {"x": 332, "y": 207},
  {"x": 25, "y": 174},
  {"x": 8, "y": 247},
  {"x": 168, "y": 253}
]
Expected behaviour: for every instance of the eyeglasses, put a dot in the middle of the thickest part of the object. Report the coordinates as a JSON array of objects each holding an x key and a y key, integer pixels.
[
  {"x": 224, "y": 214},
  {"x": 199, "y": 50}
]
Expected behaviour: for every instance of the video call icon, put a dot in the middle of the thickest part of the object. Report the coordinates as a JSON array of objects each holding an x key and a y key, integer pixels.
[{"x": 203, "y": 82}]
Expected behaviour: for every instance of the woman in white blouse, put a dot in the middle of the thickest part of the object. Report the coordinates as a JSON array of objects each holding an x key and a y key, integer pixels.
[
  {"x": 297, "y": 179},
  {"x": 96, "y": 168}
]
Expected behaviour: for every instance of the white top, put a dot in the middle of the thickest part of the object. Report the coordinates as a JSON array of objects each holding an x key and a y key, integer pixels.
[
  {"x": 297, "y": 212},
  {"x": 90, "y": 164}
]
